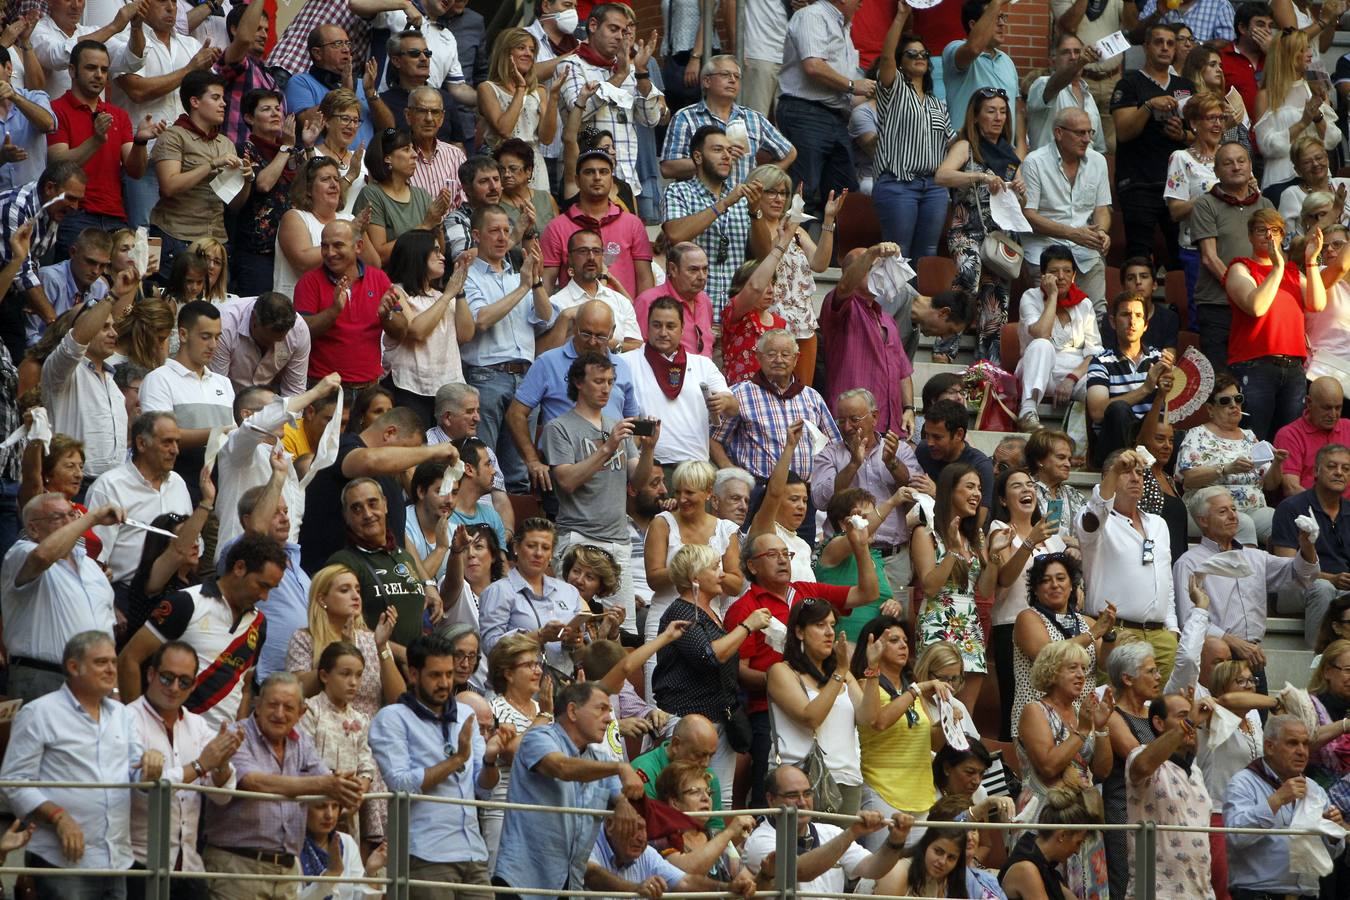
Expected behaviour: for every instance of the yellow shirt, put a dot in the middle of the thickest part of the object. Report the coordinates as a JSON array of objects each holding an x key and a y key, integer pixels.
[
  {"x": 296, "y": 442},
  {"x": 898, "y": 763}
]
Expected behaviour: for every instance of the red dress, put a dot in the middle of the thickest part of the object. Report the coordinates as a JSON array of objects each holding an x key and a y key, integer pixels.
[{"x": 739, "y": 337}]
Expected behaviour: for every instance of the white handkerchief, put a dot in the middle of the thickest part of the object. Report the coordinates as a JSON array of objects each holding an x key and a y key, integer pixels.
[
  {"x": 40, "y": 430},
  {"x": 451, "y": 477},
  {"x": 1007, "y": 212},
  {"x": 818, "y": 439},
  {"x": 140, "y": 251},
  {"x": 214, "y": 441},
  {"x": 796, "y": 214},
  {"x": 1112, "y": 45},
  {"x": 1262, "y": 453},
  {"x": 616, "y": 95},
  {"x": 1148, "y": 458},
  {"x": 1308, "y": 525},
  {"x": 228, "y": 184},
  {"x": 775, "y": 635},
  {"x": 890, "y": 277},
  {"x": 151, "y": 528},
  {"x": 857, "y": 521},
  {"x": 1232, "y": 564},
  {"x": 927, "y": 505},
  {"x": 737, "y": 133},
  {"x": 326, "y": 453}
]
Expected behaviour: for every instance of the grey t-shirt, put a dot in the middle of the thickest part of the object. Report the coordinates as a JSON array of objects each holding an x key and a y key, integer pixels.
[
  {"x": 1227, "y": 224},
  {"x": 598, "y": 508}
]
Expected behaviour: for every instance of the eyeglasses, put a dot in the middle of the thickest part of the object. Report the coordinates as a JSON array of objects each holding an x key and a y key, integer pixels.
[
  {"x": 414, "y": 54},
  {"x": 595, "y": 336},
  {"x": 513, "y": 170},
  {"x": 66, "y": 516},
  {"x": 797, "y": 796},
  {"x": 955, "y": 681},
  {"x": 340, "y": 45},
  {"x": 1216, "y": 117},
  {"x": 1147, "y": 557},
  {"x": 1339, "y": 622},
  {"x": 533, "y": 664},
  {"x": 430, "y": 112},
  {"x": 775, "y": 554},
  {"x": 776, "y": 192},
  {"x": 851, "y": 420},
  {"x": 1229, "y": 400},
  {"x": 1344, "y": 670},
  {"x": 729, "y": 76},
  {"x": 588, "y": 251},
  {"x": 346, "y": 120},
  {"x": 723, "y": 249},
  {"x": 696, "y": 792},
  {"x": 184, "y": 681},
  {"x": 917, "y": 54},
  {"x": 1088, "y": 133},
  {"x": 778, "y": 354},
  {"x": 460, "y": 656},
  {"x": 1245, "y": 681}
]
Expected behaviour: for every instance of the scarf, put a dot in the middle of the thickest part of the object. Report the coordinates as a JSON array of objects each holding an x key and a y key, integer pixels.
[
  {"x": 1075, "y": 297},
  {"x": 1183, "y": 761},
  {"x": 669, "y": 372},
  {"x": 185, "y": 121},
  {"x": 267, "y": 149},
  {"x": 586, "y": 53},
  {"x": 1053, "y": 617},
  {"x": 794, "y": 387},
  {"x": 314, "y": 858},
  {"x": 999, "y": 158},
  {"x": 444, "y": 718},
  {"x": 1258, "y": 768},
  {"x": 388, "y": 546},
  {"x": 1218, "y": 192}
]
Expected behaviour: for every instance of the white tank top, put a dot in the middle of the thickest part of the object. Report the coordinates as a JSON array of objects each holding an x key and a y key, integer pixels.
[{"x": 838, "y": 737}]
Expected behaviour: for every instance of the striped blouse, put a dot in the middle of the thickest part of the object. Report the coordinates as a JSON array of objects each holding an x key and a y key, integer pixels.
[{"x": 914, "y": 132}]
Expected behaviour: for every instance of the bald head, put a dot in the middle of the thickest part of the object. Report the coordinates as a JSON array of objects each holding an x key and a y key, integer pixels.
[
  {"x": 694, "y": 740},
  {"x": 1322, "y": 406},
  {"x": 1073, "y": 133},
  {"x": 594, "y": 327},
  {"x": 339, "y": 246},
  {"x": 478, "y": 703}
]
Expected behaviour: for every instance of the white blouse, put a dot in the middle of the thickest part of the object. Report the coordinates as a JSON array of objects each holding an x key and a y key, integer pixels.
[{"x": 1272, "y": 133}]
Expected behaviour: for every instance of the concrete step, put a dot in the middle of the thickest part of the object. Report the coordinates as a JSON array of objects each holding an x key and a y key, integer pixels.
[{"x": 1288, "y": 659}]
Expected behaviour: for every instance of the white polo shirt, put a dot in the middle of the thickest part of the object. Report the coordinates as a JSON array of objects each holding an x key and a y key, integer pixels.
[
  {"x": 86, "y": 405},
  {"x": 764, "y": 840},
  {"x": 70, "y": 596},
  {"x": 684, "y": 420},
  {"x": 625, "y": 317},
  {"x": 160, "y": 59},
  {"x": 196, "y": 401},
  {"x": 126, "y": 487}
]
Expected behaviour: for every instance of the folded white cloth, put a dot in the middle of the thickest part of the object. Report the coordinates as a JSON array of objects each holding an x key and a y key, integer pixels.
[
  {"x": 39, "y": 430},
  {"x": 616, "y": 95},
  {"x": 1308, "y": 525},
  {"x": 1232, "y": 564},
  {"x": 1308, "y": 854},
  {"x": 326, "y": 453},
  {"x": 890, "y": 277}
]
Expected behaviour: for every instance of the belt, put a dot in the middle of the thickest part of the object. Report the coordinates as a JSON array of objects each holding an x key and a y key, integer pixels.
[
  {"x": 285, "y": 860},
  {"x": 40, "y": 665},
  {"x": 1141, "y": 626},
  {"x": 1239, "y": 894},
  {"x": 825, "y": 106},
  {"x": 510, "y": 368},
  {"x": 1276, "y": 359},
  {"x": 889, "y": 549}
]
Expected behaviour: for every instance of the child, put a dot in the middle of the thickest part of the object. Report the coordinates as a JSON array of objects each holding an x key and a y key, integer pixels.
[{"x": 341, "y": 733}]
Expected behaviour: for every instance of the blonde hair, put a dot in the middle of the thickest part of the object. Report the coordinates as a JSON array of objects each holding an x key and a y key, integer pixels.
[
  {"x": 770, "y": 177},
  {"x": 504, "y": 654},
  {"x": 320, "y": 627},
  {"x": 1281, "y": 70},
  {"x": 500, "y": 65},
  {"x": 201, "y": 247},
  {"x": 689, "y": 560},
  {"x": 937, "y": 655},
  {"x": 1053, "y": 657},
  {"x": 1335, "y": 650},
  {"x": 694, "y": 475},
  {"x": 1222, "y": 676},
  {"x": 143, "y": 334}
]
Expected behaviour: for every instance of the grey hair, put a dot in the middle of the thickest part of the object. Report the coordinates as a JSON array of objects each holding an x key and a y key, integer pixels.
[
  {"x": 1276, "y": 725},
  {"x": 452, "y": 396},
  {"x": 1064, "y": 115},
  {"x": 281, "y": 679},
  {"x": 862, "y": 393},
  {"x": 144, "y": 427},
  {"x": 395, "y": 42},
  {"x": 126, "y": 373},
  {"x": 1198, "y": 505},
  {"x": 1127, "y": 659},
  {"x": 774, "y": 334},
  {"x": 357, "y": 482},
  {"x": 34, "y": 506},
  {"x": 730, "y": 475},
  {"x": 678, "y": 251},
  {"x": 78, "y": 647},
  {"x": 710, "y": 65}
]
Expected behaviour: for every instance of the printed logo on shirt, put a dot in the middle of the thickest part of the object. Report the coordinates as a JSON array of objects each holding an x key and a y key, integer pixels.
[{"x": 616, "y": 463}]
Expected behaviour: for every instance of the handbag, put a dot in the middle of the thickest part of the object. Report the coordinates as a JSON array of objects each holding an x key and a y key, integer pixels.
[
  {"x": 737, "y": 727},
  {"x": 1001, "y": 255}
]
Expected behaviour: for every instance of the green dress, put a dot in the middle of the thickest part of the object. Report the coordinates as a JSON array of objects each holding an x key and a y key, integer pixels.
[{"x": 846, "y": 573}]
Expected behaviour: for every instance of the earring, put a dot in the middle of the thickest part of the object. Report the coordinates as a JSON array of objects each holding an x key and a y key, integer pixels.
[{"x": 324, "y": 605}]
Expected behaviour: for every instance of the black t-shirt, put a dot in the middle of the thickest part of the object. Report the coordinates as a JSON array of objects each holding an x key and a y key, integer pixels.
[
  {"x": 323, "y": 531},
  {"x": 983, "y": 464},
  {"x": 1161, "y": 332},
  {"x": 1144, "y": 160},
  {"x": 396, "y": 98}
]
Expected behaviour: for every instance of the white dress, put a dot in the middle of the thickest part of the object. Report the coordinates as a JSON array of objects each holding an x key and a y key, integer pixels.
[
  {"x": 527, "y": 129},
  {"x": 285, "y": 277}
]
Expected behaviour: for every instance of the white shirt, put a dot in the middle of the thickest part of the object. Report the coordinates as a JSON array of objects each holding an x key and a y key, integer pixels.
[
  {"x": 203, "y": 400},
  {"x": 70, "y": 596},
  {"x": 766, "y": 24},
  {"x": 1050, "y": 193},
  {"x": 1079, "y": 334},
  {"x": 1291, "y": 204},
  {"x": 1041, "y": 115},
  {"x": 625, "y": 317},
  {"x": 1113, "y": 566},
  {"x": 1272, "y": 133},
  {"x": 86, "y": 405},
  {"x": 684, "y": 420},
  {"x": 160, "y": 59},
  {"x": 1329, "y": 330},
  {"x": 126, "y": 487},
  {"x": 1189, "y": 179},
  {"x": 191, "y": 734},
  {"x": 421, "y": 367},
  {"x": 245, "y": 462},
  {"x": 1238, "y": 605},
  {"x": 350, "y": 865},
  {"x": 52, "y": 47},
  {"x": 764, "y": 840}
]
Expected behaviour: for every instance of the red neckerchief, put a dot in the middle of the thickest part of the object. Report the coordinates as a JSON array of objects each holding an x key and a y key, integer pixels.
[
  {"x": 185, "y": 121},
  {"x": 1234, "y": 201},
  {"x": 586, "y": 53},
  {"x": 794, "y": 387},
  {"x": 388, "y": 546},
  {"x": 569, "y": 43},
  {"x": 269, "y": 149},
  {"x": 1075, "y": 297},
  {"x": 1258, "y": 768},
  {"x": 669, "y": 372}
]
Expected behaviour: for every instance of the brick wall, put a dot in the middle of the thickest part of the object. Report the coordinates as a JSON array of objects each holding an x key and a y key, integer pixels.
[{"x": 1029, "y": 25}]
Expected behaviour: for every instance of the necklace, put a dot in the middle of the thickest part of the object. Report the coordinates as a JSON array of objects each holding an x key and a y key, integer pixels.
[{"x": 1249, "y": 736}]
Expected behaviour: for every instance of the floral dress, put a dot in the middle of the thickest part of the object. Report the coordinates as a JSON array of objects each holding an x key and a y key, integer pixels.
[
  {"x": 1202, "y": 447},
  {"x": 739, "y": 337},
  {"x": 950, "y": 615},
  {"x": 794, "y": 292},
  {"x": 971, "y": 221}
]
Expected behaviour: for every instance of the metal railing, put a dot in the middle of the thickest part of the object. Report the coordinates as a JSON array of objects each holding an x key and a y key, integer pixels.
[{"x": 397, "y": 881}]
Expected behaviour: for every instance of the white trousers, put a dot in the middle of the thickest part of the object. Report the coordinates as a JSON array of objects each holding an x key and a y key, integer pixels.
[{"x": 1042, "y": 368}]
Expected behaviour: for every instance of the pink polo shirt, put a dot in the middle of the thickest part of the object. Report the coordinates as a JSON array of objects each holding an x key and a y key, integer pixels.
[
  {"x": 1303, "y": 441},
  {"x": 863, "y": 350},
  {"x": 625, "y": 241},
  {"x": 698, "y": 317}
]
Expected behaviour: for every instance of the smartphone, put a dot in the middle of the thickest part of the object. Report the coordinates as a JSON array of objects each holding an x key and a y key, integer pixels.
[
  {"x": 1054, "y": 512},
  {"x": 644, "y": 427}
]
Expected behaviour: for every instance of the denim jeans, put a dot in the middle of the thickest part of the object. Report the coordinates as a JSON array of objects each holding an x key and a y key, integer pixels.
[
  {"x": 496, "y": 390},
  {"x": 251, "y": 273},
  {"x": 824, "y": 160},
  {"x": 10, "y": 524},
  {"x": 911, "y": 213},
  {"x": 1274, "y": 393},
  {"x": 78, "y": 221},
  {"x": 140, "y": 196},
  {"x": 1190, "y": 265}
]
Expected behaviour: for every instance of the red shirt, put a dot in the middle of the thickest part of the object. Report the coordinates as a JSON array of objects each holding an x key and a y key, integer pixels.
[
  {"x": 939, "y": 25},
  {"x": 755, "y": 650},
  {"x": 1280, "y": 332},
  {"x": 1303, "y": 441},
  {"x": 74, "y": 126},
  {"x": 1239, "y": 72},
  {"x": 870, "y": 24},
  {"x": 698, "y": 317},
  {"x": 739, "y": 337},
  {"x": 352, "y": 346}
]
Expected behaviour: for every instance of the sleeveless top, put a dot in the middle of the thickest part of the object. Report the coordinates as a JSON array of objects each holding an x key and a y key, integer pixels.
[
  {"x": 1281, "y": 331},
  {"x": 898, "y": 763},
  {"x": 527, "y": 129},
  {"x": 1023, "y": 691},
  {"x": 285, "y": 277},
  {"x": 1113, "y": 788},
  {"x": 837, "y": 736},
  {"x": 794, "y": 291},
  {"x": 723, "y": 533}
]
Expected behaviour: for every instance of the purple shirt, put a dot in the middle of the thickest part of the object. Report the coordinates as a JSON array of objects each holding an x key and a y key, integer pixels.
[
  {"x": 863, "y": 350},
  {"x": 238, "y": 357},
  {"x": 872, "y": 477}
]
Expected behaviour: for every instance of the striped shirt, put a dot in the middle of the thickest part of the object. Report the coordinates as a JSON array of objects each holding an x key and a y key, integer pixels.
[
  {"x": 1115, "y": 371},
  {"x": 761, "y": 133},
  {"x": 291, "y": 51},
  {"x": 754, "y": 437},
  {"x": 440, "y": 170},
  {"x": 608, "y": 116},
  {"x": 18, "y": 205},
  {"x": 913, "y": 134},
  {"x": 818, "y": 31}
]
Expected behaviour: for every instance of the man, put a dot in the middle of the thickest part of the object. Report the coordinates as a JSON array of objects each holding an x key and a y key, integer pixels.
[
  {"x": 1010, "y": 453},
  {"x": 623, "y": 861},
  {"x": 457, "y": 417},
  {"x": 877, "y": 461},
  {"x": 1136, "y": 277},
  {"x": 1265, "y": 796},
  {"x": 588, "y": 280},
  {"x": 945, "y": 423},
  {"x": 694, "y": 739},
  {"x": 1321, "y": 424},
  {"x": 686, "y": 278},
  {"x": 1059, "y": 336},
  {"x": 412, "y": 741},
  {"x": 153, "y": 89},
  {"x": 1218, "y": 225},
  {"x": 943, "y": 317},
  {"x": 301, "y": 439},
  {"x": 1127, "y": 381},
  {"x": 705, "y": 209},
  {"x": 721, "y": 78},
  {"x": 100, "y": 138},
  {"x": 241, "y": 65},
  {"x": 644, "y": 502},
  {"x": 467, "y": 61},
  {"x": 78, "y": 733},
  {"x": 624, "y": 234},
  {"x": 862, "y": 343},
  {"x": 682, "y": 389},
  {"x": 480, "y": 180},
  {"x": 52, "y": 592},
  {"x": 79, "y": 392},
  {"x": 145, "y": 486},
  {"x": 76, "y": 280},
  {"x": 1163, "y": 783},
  {"x": 1147, "y": 114},
  {"x": 588, "y": 452},
  {"x": 342, "y": 340},
  {"x": 56, "y": 35},
  {"x": 1325, "y": 503},
  {"x": 27, "y": 118},
  {"x": 409, "y": 69},
  {"x": 262, "y": 341},
  {"x": 262, "y": 837},
  {"x": 503, "y": 347},
  {"x": 199, "y": 399},
  {"x": 1091, "y": 23},
  {"x": 731, "y": 495},
  {"x": 1237, "y": 610},
  {"x": 1208, "y": 20},
  {"x": 1069, "y": 202},
  {"x": 191, "y": 750},
  {"x": 438, "y": 162},
  {"x": 473, "y": 500},
  {"x": 187, "y": 157},
  {"x": 556, "y": 765},
  {"x": 611, "y": 54},
  {"x": 58, "y": 191},
  {"x": 1127, "y": 559},
  {"x": 763, "y": 50},
  {"x": 816, "y": 85},
  {"x": 1245, "y": 57},
  {"x": 826, "y": 854},
  {"x": 332, "y": 58},
  {"x": 980, "y": 62},
  {"x": 556, "y": 42},
  {"x": 221, "y": 621}
]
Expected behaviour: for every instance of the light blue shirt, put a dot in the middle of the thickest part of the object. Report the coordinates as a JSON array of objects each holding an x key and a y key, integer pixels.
[
  {"x": 405, "y": 746},
  {"x": 62, "y": 291},
  {"x": 484, "y": 514},
  {"x": 70, "y": 596},
  {"x": 26, "y": 135},
  {"x": 54, "y": 739},
  {"x": 510, "y": 338},
  {"x": 511, "y": 605},
  {"x": 545, "y": 385},
  {"x": 304, "y": 91},
  {"x": 286, "y": 610},
  {"x": 650, "y": 863},
  {"x": 534, "y": 844},
  {"x": 1257, "y": 862},
  {"x": 995, "y": 70}
]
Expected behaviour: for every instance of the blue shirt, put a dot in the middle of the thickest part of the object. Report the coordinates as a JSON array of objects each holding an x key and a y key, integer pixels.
[
  {"x": 1333, "y": 540},
  {"x": 304, "y": 91},
  {"x": 59, "y": 284},
  {"x": 996, "y": 70},
  {"x": 286, "y": 609},
  {"x": 54, "y": 739},
  {"x": 534, "y": 844},
  {"x": 1257, "y": 862},
  {"x": 510, "y": 338},
  {"x": 649, "y": 864},
  {"x": 484, "y": 514},
  {"x": 26, "y": 135},
  {"x": 545, "y": 385},
  {"x": 511, "y": 605},
  {"x": 405, "y": 746}
]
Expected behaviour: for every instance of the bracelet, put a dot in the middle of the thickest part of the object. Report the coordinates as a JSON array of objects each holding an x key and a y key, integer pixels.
[
  {"x": 386, "y": 653},
  {"x": 642, "y": 75},
  {"x": 55, "y": 814},
  {"x": 748, "y": 630},
  {"x": 1080, "y": 735},
  {"x": 835, "y": 676},
  {"x": 1104, "y": 733},
  {"x": 830, "y": 227},
  {"x": 208, "y": 507},
  {"x": 544, "y": 715},
  {"x": 139, "y": 143},
  {"x": 537, "y": 285},
  {"x": 429, "y": 582},
  {"x": 197, "y": 767},
  {"x": 871, "y": 673},
  {"x": 908, "y": 407},
  {"x": 1074, "y": 376},
  {"x": 896, "y": 847},
  {"x": 850, "y": 86}
]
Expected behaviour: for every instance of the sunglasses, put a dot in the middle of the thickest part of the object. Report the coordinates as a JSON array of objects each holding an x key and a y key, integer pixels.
[
  {"x": 185, "y": 682},
  {"x": 1147, "y": 559},
  {"x": 723, "y": 249},
  {"x": 987, "y": 93},
  {"x": 917, "y": 54},
  {"x": 1229, "y": 400},
  {"x": 414, "y": 54}
]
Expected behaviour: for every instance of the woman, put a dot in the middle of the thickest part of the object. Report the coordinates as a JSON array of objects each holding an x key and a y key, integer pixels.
[
  {"x": 328, "y": 852},
  {"x": 1052, "y": 615},
  {"x": 1190, "y": 175},
  {"x": 749, "y": 315},
  {"x": 1061, "y": 748},
  {"x": 1335, "y": 625},
  {"x": 519, "y": 193},
  {"x": 57, "y": 466},
  {"x": 1289, "y": 14},
  {"x": 981, "y": 161},
  {"x": 687, "y": 786},
  {"x": 950, "y": 562},
  {"x": 698, "y": 672},
  {"x": 1313, "y": 165},
  {"x": 836, "y": 563},
  {"x": 1049, "y": 455},
  {"x": 1329, "y": 687},
  {"x": 534, "y": 543},
  {"x": 794, "y": 284},
  {"x": 1287, "y": 106},
  {"x": 317, "y": 199},
  {"x": 143, "y": 336},
  {"x": 1219, "y": 453},
  {"x": 470, "y": 667},
  {"x": 912, "y": 206},
  {"x": 124, "y": 279},
  {"x": 484, "y": 563},
  {"x": 1034, "y": 867},
  {"x": 1161, "y": 496},
  {"x": 167, "y": 564},
  {"x": 427, "y": 356},
  {"x": 341, "y": 111},
  {"x": 1136, "y": 682},
  {"x": 368, "y": 406},
  {"x": 217, "y": 288},
  {"x": 1268, "y": 300},
  {"x": 960, "y": 774},
  {"x": 1186, "y": 41},
  {"x": 595, "y": 574},
  {"x": 522, "y": 698},
  {"x": 935, "y": 867},
  {"x": 513, "y": 104},
  {"x": 1203, "y": 67},
  {"x": 814, "y": 698},
  {"x": 396, "y": 205},
  {"x": 1019, "y": 536}
]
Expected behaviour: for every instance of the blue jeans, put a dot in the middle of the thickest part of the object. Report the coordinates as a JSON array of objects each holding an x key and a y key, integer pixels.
[
  {"x": 251, "y": 273},
  {"x": 10, "y": 524},
  {"x": 911, "y": 213},
  {"x": 140, "y": 196},
  {"x": 824, "y": 160},
  {"x": 1190, "y": 264},
  {"x": 78, "y": 221},
  {"x": 1274, "y": 388},
  {"x": 496, "y": 390}
]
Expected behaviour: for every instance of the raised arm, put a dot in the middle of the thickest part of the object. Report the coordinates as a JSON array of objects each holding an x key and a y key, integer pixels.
[{"x": 767, "y": 514}]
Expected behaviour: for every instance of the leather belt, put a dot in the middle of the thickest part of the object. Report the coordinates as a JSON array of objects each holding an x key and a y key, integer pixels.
[
  {"x": 285, "y": 860},
  {"x": 1141, "y": 626},
  {"x": 1276, "y": 359},
  {"x": 510, "y": 368},
  {"x": 39, "y": 664},
  {"x": 889, "y": 549}
]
